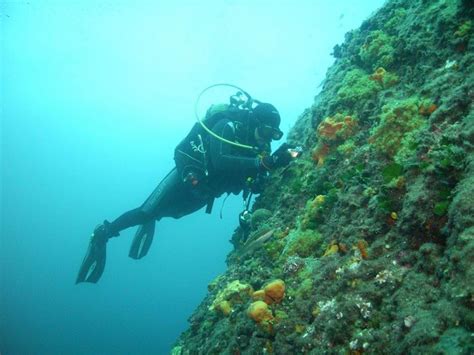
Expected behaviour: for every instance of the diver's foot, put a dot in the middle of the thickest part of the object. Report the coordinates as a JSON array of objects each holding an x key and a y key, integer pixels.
[
  {"x": 101, "y": 234},
  {"x": 142, "y": 241},
  {"x": 93, "y": 264}
]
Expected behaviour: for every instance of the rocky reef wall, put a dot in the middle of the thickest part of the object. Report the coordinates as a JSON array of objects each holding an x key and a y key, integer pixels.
[{"x": 366, "y": 243}]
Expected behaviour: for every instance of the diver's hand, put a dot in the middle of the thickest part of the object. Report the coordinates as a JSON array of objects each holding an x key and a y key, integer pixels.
[
  {"x": 282, "y": 148},
  {"x": 280, "y": 158}
]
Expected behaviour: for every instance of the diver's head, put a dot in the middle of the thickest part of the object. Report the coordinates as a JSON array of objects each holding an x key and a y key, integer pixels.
[{"x": 268, "y": 122}]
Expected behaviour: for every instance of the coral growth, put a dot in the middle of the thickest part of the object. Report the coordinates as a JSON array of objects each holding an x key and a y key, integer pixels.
[
  {"x": 303, "y": 243},
  {"x": 320, "y": 153},
  {"x": 384, "y": 78},
  {"x": 234, "y": 292},
  {"x": 376, "y": 244},
  {"x": 356, "y": 87},
  {"x": 274, "y": 291},
  {"x": 313, "y": 213},
  {"x": 336, "y": 127},
  {"x": 260, "y": 312},
  {"x": 331, "y": 132},
  {"x": 378, "y": 49},
  {"x": 400, "y": 123}
]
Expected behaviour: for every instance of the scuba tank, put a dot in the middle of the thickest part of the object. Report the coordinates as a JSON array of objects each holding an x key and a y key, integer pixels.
[{"x": 191, "y": 154}]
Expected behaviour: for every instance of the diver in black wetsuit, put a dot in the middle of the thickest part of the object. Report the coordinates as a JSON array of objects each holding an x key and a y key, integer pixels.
[{"x": 208, "y": 164}]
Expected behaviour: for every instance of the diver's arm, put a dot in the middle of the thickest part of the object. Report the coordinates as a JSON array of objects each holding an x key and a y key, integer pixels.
[{"x": 223, "y": 155}]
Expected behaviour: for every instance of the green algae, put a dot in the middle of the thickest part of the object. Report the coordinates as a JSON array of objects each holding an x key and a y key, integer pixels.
[
  {"x": 260, "y": 218},
  {"x": 455, "y": 341},
  {"x": 378, "y": 50},
  {"x": 303, "y": 243},
  {"x": 356, "y": 86},
  {"x": 275, "y": 248},
  {"x": 441, "y": 208},
  {"x": 402, "y": 182},
  {"x": 400, "y": 124},
  {"x": 464, "y": 30},
  {"x": 391, "y": 172}
]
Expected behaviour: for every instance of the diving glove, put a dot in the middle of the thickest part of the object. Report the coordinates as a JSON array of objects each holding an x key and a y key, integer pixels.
[
  {"x": 93, "y": 264},
  {"x": 280, "y": 158}
]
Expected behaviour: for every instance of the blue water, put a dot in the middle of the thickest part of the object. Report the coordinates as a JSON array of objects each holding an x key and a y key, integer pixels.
[{"x": 94, "y": 97}]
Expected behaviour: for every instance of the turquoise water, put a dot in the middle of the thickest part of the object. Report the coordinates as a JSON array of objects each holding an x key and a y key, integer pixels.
[{"x": 94, "y": 99}]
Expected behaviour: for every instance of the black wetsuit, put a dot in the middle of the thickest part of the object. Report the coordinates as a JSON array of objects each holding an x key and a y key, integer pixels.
[{"x": 230, "y": 166}]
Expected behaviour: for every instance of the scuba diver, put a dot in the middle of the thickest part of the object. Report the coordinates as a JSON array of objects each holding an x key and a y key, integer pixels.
[{"x": 226, "y": 152}]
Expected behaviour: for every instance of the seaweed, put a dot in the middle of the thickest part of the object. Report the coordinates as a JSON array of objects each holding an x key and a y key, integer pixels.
[{"x": 373, "y": 231}]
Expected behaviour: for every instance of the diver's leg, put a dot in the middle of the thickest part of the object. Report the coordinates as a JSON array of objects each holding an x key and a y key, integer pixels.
[
  {"x": 170, "y": 183},
  {"x": 129, "y": 219},
  {"x": 151, "y": 207},
  {"x": 144, "y": 236},
  {"x": 93, "y": 264},
  {"x": 171, "y": 198},
  {"x": 175, "y": 198}
]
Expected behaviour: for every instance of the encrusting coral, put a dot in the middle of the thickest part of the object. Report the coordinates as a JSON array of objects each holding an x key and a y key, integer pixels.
[
  {"x": 400, "y": 123},
  {"x": 234, "y": 292},
  {"x": 331, "y": 132},
  {"x": 274, "y": 291},
  {"x": 375, "y": 244},
  {"x": 378, "y": 49},
  {"x": 384, "y": 78},
  {"x": 260, "y": 312}
]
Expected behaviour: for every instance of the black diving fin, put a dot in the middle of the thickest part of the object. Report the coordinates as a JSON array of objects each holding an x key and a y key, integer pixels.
[
  {"x": 142, "y": 241},
  {"x": 93, "y": 264}
]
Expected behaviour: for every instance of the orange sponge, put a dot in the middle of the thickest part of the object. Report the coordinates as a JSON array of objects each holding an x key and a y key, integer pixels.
[
  {"x": 274, "y": 291},
  {"x": 259, "y": 312},
  {"x": 259, "y": 295}
]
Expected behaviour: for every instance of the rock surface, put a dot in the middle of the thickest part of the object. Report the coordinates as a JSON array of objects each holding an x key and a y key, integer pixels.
[{"x": 374, "y": 224}]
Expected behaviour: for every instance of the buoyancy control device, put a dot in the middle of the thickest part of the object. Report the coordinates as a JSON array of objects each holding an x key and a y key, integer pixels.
[{"x": 191, "y": 155}]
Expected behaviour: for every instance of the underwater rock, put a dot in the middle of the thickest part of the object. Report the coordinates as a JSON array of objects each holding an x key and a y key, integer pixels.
[
  {"x": 259, "y": 217},
  {"x": 373, "y": 231},
  {"x": 234, "y": 292}
]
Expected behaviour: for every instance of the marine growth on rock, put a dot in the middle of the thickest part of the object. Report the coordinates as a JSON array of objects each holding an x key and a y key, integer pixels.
[{"x": 372, "y": 232}]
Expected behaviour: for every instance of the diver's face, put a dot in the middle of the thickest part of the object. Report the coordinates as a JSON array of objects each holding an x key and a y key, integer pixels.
[
  {"x": 267, "y": 133},
  {"x": 261, "y": 140}
]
